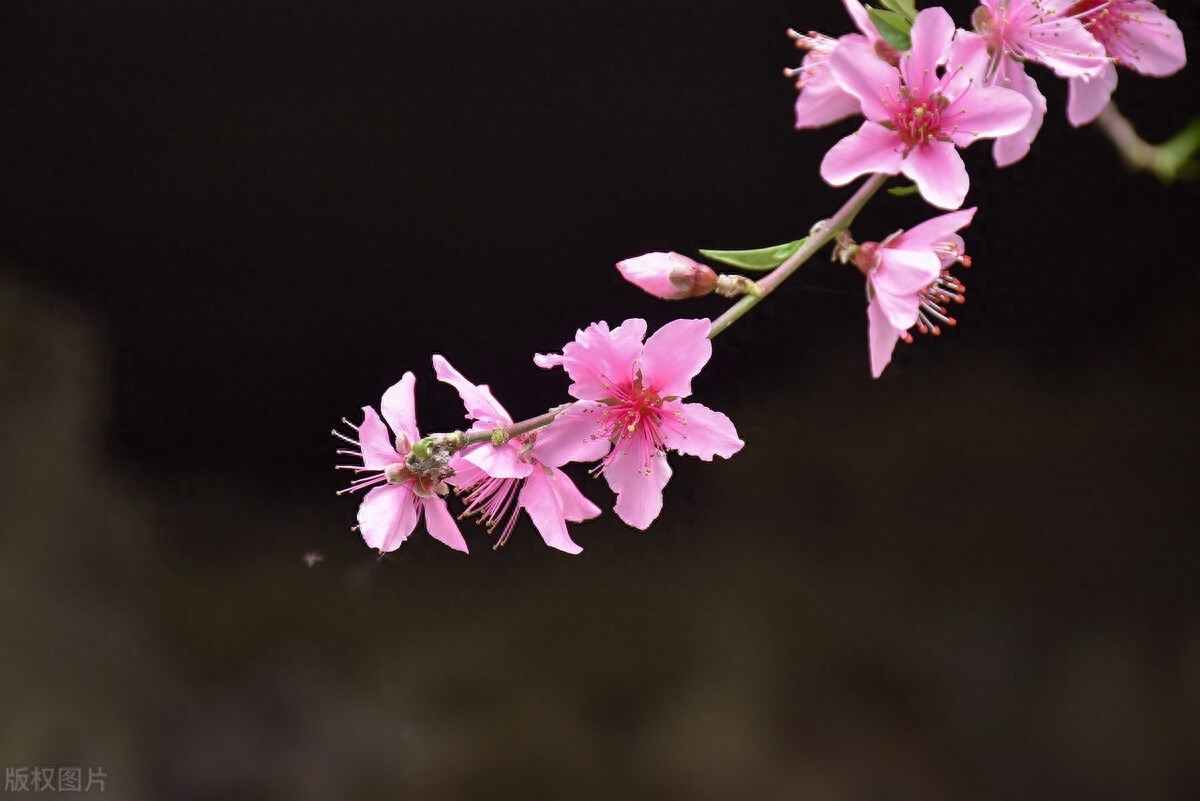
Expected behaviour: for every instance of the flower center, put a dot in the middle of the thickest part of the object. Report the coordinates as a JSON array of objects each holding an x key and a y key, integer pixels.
[
  {"x": 632, "y": 420},
  {"x": 919, "y": 123}
]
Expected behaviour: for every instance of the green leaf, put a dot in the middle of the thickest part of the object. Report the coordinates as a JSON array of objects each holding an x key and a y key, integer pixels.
[
  {"x": 892, "y": 27},
  {"x": 903, "y": 191},
  {"x": 904, "y": 8},
  {"x": 758, "y": 259}
]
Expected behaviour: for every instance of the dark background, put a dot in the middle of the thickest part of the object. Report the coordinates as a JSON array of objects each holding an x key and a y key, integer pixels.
[{"x": 224, "y": 226}]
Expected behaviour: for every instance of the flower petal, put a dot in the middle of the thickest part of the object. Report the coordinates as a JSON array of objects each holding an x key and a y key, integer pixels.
[
  {"x": 881, "y": 336},
  {"x": 987, "y": 111},
  {"x": 539, "y": 500},
  {"x": 503, "y": 461},
  {"x": 872, "y": 148},
  {"x": 905, "y": 272},
  {"x": 572, "y": 437},
  {"x": 386, "y": 516},
  {"x": 598, "y": 358},
  {"x": 1086, "y": 99},
  {"x": 822, "y": 100},
  {"x": 639, "y": 496},
  {"x": 858, "y": 70},
  {"x": 1159, "y": 51},
  {"x": 441, "y": 525},
  {"x": 696, "y": 430},
  {"x": 931, "y": 34},
  {"x": 375, "y": 443},
  {"x": 939, "y": 173},
  {"x": 575, "y": 506},
  {"x": 477, "y": 398},
  {"x": 936, "y": 229},
  {"x": 674, "y": 355},
  {"x": 400, "y": 409},
  {"x": 1011, "y": 148}
]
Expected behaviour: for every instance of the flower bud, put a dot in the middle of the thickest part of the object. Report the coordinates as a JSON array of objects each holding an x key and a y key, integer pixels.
[{"x": 669, "y": 276}]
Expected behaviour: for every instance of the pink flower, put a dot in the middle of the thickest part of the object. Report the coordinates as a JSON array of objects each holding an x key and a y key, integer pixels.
[
  {"x": 669, "y": 276},
  {"x": 630, "y": 396},
  {"x": 1137, "y": 34},
  {"x": 411, "y": 482},
  {"x": 916, "y": 118},
  {"x": 908, "y": 282},
  {"x": 1020, "y": 30},
  {"x": 522, "y": 473},
  {"x": 822, "y": 100}
]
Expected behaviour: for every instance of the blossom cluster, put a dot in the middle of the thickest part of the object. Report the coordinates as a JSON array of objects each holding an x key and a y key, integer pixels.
[
  {"x": 924, "y": 89},
  {"x": 628, "y": 413}
]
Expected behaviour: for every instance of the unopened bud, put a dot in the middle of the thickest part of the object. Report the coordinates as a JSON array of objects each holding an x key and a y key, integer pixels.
[{"x": 669, "y": 276}]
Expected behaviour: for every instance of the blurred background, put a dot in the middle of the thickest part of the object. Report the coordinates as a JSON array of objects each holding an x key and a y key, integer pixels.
[{"x": 225, "y": 226}]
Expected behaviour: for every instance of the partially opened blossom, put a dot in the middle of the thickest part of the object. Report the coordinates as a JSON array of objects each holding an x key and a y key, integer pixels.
[
  {"x": 908, "y": 282},
  {"x": 918, "y": 115},
  {"x": 1137, "y": 35},
  {"x": 522, "y": 473},
  {"x": 630, "y": 395},
  {"x": 669, "y": 276},
  {"x": 821, "y": 100},
  {"x": 405, "y": 484},
  {"x": 1022, "y": 30}
]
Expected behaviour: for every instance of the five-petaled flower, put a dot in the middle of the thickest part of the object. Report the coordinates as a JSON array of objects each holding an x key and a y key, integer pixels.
[
  {"x": 916, "y": 117},
  {"x": 908, "y": 282},
  {"x": 404, "y": 484},
  {"x": 1137, "y": 34},
  {"x": 630, "y": 395},
  {"x": 520, "y": 473}
]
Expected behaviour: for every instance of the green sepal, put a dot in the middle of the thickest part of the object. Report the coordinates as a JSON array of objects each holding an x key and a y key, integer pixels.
[
  {"x": 758, "y": 259},
  {"x": 894, "y": 28},
  {"x": 905, "y": 8},
  {"x": 903, "y": 191}
]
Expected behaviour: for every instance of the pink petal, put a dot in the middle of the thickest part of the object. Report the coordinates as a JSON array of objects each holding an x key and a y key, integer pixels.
[
  {"x": 639, "y": 496},
  {"x": 699, "y": 431},
  {"x": 861, "y": 19},
  {"x": 441, "y": 525},
  {"x": 1012, "y": 148},
  {"x": 575, "y": 506},
  {"x": 872, "y": 148},
  {"x": 499, "y": 462},
  {"x": 863, "y": 74},
  {"x": 1064, "y": 45},
  {"x": 538, "y": 499},
  {"x": 598, "y": 358},
  {"x": 572, "y": 437},
  {"x": 967, "y": 63},
  {"x": 400, "y": 409},
  {"x": 900, "y": 310},
  {"x": 905, "y": 272},
  {"x": 934, "y": 230},
  {"x": 386, "y": 516},
  {"x": 931, "y": 35},
  {"x": 478, "y": 399},
  {"x": 674, "y": 355},
  {"x": 1086, "y": 99},
  {"x": 882, "y": 337},
  {"x": 1159, "y": 45},
  {"x": 822, "y": 101},
  {"x": 939, "y": 173},
  {"x": 987, "y": 111},
  {"x": 375, "y": 443}
]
